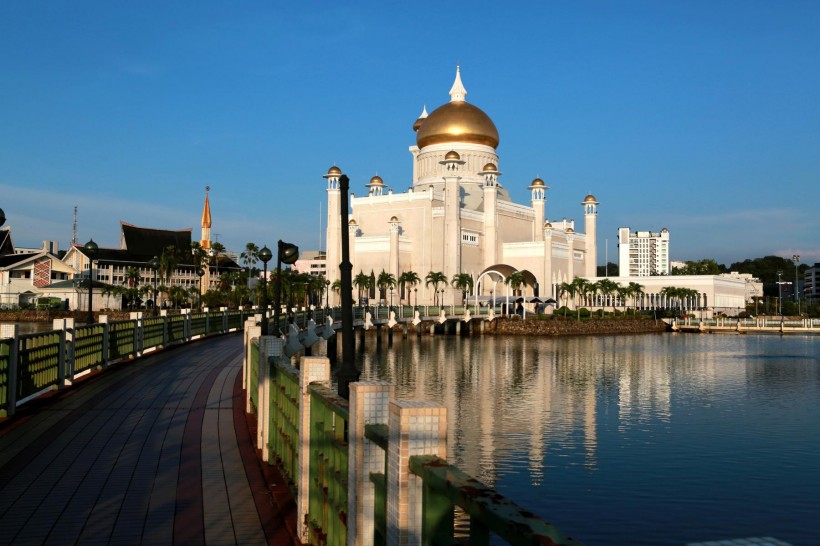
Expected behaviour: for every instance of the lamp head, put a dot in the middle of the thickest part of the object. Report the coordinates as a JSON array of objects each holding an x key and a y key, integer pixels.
[
  {"x": 200, "y": 272},
  {"x": 2, "y": 217},
  {"x": 265, "y": 254},
  {"x": 153, "y": 263},
  {"x": 288, "y": 253}
]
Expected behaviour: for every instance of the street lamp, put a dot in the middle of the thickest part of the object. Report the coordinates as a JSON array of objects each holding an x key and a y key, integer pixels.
[
  {"x": 90, "y": 249},
  {"x": 154, "y": 264},
  {"x": 265, "y": 255},
  {"x": 200, "y": 272},
  {"x": 391, "y": 298},
  {"x": 348, "y": 373},
  {"x": 796, "y": 259},
  {"x": 780, "y": 294},
  {"x": 287, "y": 253},
  {"x": 327, "y": 294},
  {"x": 416, "y": 292}
]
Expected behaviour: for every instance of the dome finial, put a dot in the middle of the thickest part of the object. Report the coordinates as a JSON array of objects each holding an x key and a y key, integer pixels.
[{"x": 458, "y": 93}]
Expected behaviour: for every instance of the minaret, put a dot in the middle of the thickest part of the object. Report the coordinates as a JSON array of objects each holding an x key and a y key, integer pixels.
[
  {"x": 591, "y": 227},
  {"x": 538, "y": 190},
  {"x": 548, "y": 285},
  {"x": 334, "y": 224},
  {"x": 452, "y": 210},
  {"x": 205, "y": 243},
  {"x": 490, "y": 174},
  {"x": 394, "y": 246}
]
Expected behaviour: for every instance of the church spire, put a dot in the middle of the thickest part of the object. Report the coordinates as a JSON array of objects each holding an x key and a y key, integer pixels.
[{"x": 457, "y": 92}]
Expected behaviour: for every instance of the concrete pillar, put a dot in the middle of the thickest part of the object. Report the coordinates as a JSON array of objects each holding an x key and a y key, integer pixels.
[
  {"x": 251, "y": 332},
  {"x": 416, "y": 428},
  {"x": 11, "y": 331},
  {"x": 369, "y": 402},
  {"x": 313, "y": 369},
  {"x": 103, "y": 320},
  {"x": 269, "y": 347}
]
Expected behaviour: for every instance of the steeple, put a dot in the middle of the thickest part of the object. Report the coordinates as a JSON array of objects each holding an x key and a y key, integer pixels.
[
  {"x": 457, "y": 92},
  {"x": 205, "y": 243}
]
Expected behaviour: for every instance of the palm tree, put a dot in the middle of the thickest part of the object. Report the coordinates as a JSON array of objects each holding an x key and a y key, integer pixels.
[
  {"x": 636, "y": 291},
  {"x": 198, "y": 254},
  {"x": 463, "y": 282},
  {"x": 582, "y": 289},
  {"x": 133, "y": 279},
  {"x": 385, "y": 282},
  {"x": 408, "y": 277},
  {"x": 250, "y": 256},
  {"x": 516, "y": 281},
  {"x": 567, "y": 290},
  {"x": 168, "y": 261},
  {"x": 177, "y": 295},
  {"x": 623, "y": 292},
  {"x": 435, "y": 278},
  {"x": 362, "y": 282},
  {"x": 217, "y": 248},
  {"x": 606, "y": 288}
]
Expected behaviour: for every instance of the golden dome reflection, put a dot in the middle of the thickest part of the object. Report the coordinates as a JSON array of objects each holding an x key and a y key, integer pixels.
[{"x": 457, "y": 122}]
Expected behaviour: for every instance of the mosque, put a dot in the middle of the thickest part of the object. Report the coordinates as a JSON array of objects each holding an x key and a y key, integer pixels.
[{"x": 457, "y": 217}]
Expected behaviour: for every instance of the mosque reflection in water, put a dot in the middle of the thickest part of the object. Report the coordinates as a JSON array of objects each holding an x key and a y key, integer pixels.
[{"x": 594, "y": 430}]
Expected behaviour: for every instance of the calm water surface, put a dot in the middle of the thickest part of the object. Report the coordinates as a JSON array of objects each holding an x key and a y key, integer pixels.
[{"x": 653, "y": 439}]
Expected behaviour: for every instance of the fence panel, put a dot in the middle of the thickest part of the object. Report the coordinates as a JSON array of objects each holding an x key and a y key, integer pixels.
[
  {"x": 88, "y": 347},
  {"x": 235, "y": 320},
  {"x": 5, "y": 352},
  {"x": 284, "y": 420},
  {"x": 38, "y": 362},
  {"x": 152, "y": 329},
  {"x": 328, "y": 464},
  {"x": 121, "y": 339},
  {"x": 198, "y": 324},
  {"x": 176, "y": 328}
]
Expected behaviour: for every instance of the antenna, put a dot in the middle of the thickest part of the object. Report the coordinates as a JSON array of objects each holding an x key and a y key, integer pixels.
[{"x": 74, "y": 230}]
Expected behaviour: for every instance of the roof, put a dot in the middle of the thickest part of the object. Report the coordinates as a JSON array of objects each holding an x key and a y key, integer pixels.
[
  {"x": 146, "y": 242},
  {"x": 11, "y": 259},
  {"x": 6, "y": 244}
]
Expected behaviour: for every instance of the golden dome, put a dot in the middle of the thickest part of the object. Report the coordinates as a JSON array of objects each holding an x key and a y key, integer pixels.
[
  {"x": 537, "y": 182},
  {"x": 489, "y": 167},
  {"x": 376, "y": 181},
  {"x": 457, "y": 121},
  {"x": 394, "y": 219},
  {"x": 334, "y": 170},
  {"x": 352, "y": 222},
  {"x": 589, "y": 199},
  {"x": 452, "y": 155},
  {"x": 547, "y": 224},
  {"x": 570, "y": 230}
]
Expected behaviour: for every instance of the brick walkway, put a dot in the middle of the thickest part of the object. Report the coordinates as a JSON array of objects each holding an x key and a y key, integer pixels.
[{"x": 156, "y": 451}]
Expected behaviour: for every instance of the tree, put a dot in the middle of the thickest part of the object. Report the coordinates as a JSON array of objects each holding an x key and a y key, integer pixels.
[
  {"x": 250, "y": 256},
  {"x": 608, "y": 270},
  {"x": 566, "y": 290},
  {"x": 583, "y": 288},
  {"x": 706, "y": 266},
  {"x": 435, "y": 278},
  {"x": 636, "y": 291},
  {"x": 362, "y": 282},
  {"x": 217, "y": 249},
  {"x": 606, "y": 288},
  {"x": 198, "y": 254},
  {"x": 408, "y": 277},
  {"x": 463, "y": 282},
  {"x": 385, "y": 282},
  {"x": 516, "y": 281}
]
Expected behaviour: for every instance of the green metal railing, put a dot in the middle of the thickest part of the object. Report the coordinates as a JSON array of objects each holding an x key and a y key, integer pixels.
[
  {"x": 121, "y": 343},
  {"x": 153, "y": 332},
  {"x": 328, "y": 467},
  {"x": 88, "y": 347},
  {"x": 38, "y": 362},
  {"x": 235, "y": 319},
  {"x": 284, "y": 420},
  {"x": 176, "y": 328},
  {"x": 199, "y": 324},
  {"x": 5, "y": 362}
]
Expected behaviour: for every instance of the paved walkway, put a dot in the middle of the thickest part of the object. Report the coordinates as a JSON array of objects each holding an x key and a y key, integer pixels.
[{"x": 156, "y": 451}]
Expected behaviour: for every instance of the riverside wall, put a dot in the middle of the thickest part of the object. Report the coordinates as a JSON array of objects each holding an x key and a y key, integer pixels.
[{"x": 562, "y": 327}]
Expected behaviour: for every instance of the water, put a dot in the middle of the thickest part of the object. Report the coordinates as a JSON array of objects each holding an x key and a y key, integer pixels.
[
  {"x": 32, "y": 327},
  {"x": 653, "y": 439}
]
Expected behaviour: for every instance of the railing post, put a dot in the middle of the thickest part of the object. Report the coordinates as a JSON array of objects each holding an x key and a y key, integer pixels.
[
  {"x": 164, "y": 314},
  {"x": 416, "y": 428},
  {"x": 103, "y": 320},
  {"x": 136, "y": 316},
  {"x": 224, "y": 319},
  {"x": 369, "y": 402},
  {"x": 250, "y": 331},
  {"x": 207, "y": 321},
  {"x": 186, "y": 328},
  {"x": 312, "y": 369},
  {"x": 269, "y": 347},
  {"x": 12, "y": 331},
  {"x": 63, "y": 362}
]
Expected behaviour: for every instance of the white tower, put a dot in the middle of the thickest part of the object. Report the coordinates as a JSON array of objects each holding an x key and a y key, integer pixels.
[
  {"x": 591, "y": 227},
  {"x": 538, "y": 190},
  {"x": 452, "y": 212},
  {"x": 334, "y": 227},
  {"x": 490, "y": 173}
]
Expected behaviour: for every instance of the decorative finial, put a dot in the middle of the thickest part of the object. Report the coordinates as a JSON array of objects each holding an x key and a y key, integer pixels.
[
  {"x": 207, "y": 189},
  {"x": 458, "y": 93},
  {"x": 423, "y": 112}
]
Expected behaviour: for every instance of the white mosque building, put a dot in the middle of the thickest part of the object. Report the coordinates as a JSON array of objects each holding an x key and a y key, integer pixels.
[{"x": 457, "y": 217}]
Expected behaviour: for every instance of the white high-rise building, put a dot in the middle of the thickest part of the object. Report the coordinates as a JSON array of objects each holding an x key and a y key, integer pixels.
[{"x": 643, "y": 253}]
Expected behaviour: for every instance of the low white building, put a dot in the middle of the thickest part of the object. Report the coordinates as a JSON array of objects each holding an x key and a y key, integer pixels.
[
  {"x": 313, "y": 262},
  {"x": 643, "y": 253},
  {"x": 24, "y": 276},
  {"x": 715, "y": 294}
]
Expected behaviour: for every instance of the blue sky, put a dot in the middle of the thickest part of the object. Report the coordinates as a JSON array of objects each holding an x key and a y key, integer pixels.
[{"x": 702, "y": 117}]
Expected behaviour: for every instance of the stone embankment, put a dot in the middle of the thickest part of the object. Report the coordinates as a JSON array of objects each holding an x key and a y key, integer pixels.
[
  {"x": 562, "y": 327},
  {"x": 48, "y": 316}
]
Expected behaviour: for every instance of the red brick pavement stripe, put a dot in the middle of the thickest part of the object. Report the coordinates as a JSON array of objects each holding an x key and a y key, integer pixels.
[
  {"x": 274, "y": 502},
  {"x": 189, "y": 518}
]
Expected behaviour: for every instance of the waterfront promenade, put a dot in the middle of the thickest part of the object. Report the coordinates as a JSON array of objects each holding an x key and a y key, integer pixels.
[{"x": 153, "y": 451}]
